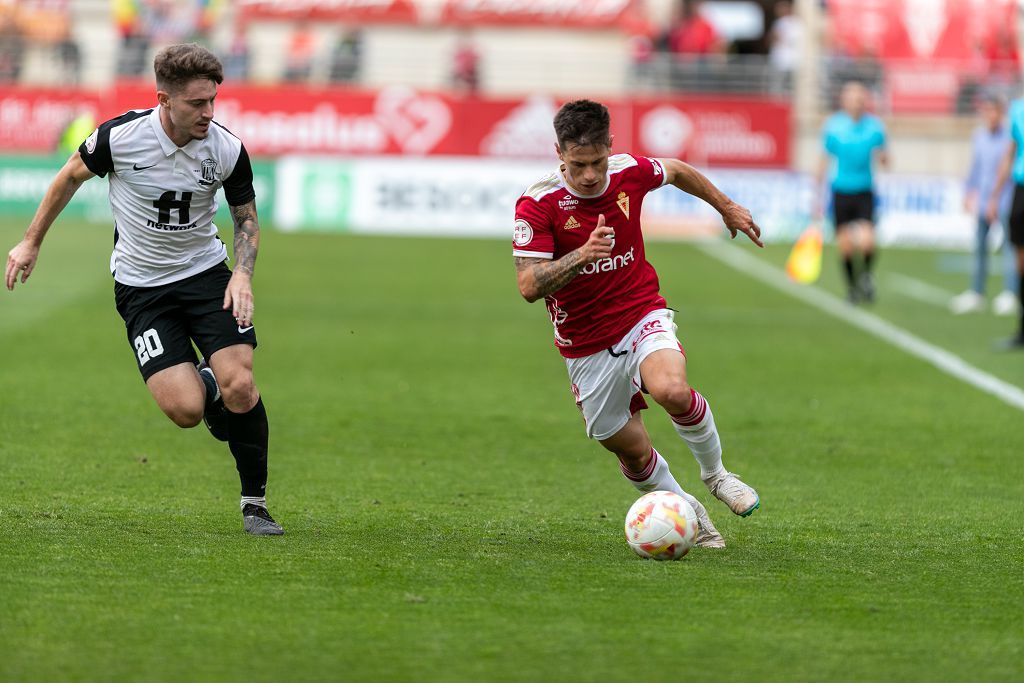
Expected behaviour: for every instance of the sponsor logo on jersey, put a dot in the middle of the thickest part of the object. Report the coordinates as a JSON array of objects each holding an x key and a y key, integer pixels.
[
  {"x": 623, "y": 203},
  {"x": 171, "y": 227},
  {"x": 568, "y": 203},
  {"x": 572, "y": 223},
  {"x": 522, "y": 234},
  {"x": 611, "y": 263},
  {"x": 208, "y": 168},
  {"x": 90, "y": 142}
]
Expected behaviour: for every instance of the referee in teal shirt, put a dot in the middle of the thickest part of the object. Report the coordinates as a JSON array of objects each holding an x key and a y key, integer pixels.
[
  {"x": 1014, "y": 160},
  {"x": 853, "y": 141}
]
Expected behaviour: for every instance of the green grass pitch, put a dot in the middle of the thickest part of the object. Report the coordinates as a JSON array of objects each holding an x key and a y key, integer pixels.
[{"x": 447, "y": 519}]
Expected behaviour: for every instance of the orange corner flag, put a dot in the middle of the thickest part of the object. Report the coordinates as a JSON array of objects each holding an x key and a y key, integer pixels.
[{"x": 804, "y": 262}]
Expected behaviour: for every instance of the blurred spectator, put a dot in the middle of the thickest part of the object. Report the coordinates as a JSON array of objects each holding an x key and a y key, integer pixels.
[
  {"x": 12, "y": 44},
  {"x": 990, "y": 142},
  {"x": 785, "y": 38},
  {"x": 47, "y": 23},
  {"x": 466, "y": 66},
  {"x": 131, "y": 58},
  {"x": 1003, "y": 57},
  {"x": 236, "y": 56},
  {"x": 346, "y": 57},
  {"x": 301, "y": 51},
  {"x": 692, "y": 34},
  {"x": 166, "y": 22},
  {"x": 641, "y": 32}
]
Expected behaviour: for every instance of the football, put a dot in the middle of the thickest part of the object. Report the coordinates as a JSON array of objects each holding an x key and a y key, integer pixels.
[{"x": 661, "y": 525}]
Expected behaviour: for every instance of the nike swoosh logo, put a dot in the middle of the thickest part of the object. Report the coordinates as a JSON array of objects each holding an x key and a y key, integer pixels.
[
  {"x": 243, "y": 330},
  {"x": 142, "y": 168}
]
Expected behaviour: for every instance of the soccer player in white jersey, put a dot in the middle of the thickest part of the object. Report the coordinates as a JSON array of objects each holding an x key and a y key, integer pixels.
[
  {"x": 578, "y": 244},
  {"x": 171, "y": 284}
]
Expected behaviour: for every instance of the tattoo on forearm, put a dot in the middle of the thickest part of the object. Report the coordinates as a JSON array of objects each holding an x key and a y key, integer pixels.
[
  {"x": 551, "y": 276},
  {"x": 247, "y": 236}
]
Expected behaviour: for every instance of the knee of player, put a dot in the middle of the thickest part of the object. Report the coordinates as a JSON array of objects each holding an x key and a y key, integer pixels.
[
  {"x": 238, "y": 390},
  {"x": 674, "y": 396},
  {"x": 185, "y": 416}
]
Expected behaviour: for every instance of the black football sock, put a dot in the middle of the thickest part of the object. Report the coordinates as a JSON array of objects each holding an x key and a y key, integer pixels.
[
  {"x": 869, "y": 257},
  {"x": 248, "y": 434},
  {"x": 850, "y": 275},
  {"x": 1020, "y": 295}
]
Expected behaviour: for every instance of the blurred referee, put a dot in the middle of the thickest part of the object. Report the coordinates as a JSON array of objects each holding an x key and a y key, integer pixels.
[
  {"x": 853, "y": 140},
  {"x": 165, "y": 165}
]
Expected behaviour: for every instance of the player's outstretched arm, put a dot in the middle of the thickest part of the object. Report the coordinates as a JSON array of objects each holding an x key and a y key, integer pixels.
[
  {"x": 238, "y": 296},
  {"x": 539, "y": 277},
  {"x": 22, "y": 258},
  {"x": 688, "y": 179}
]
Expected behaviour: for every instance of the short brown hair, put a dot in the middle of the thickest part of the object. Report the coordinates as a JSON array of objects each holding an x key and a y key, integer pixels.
[
  {"x": 583, "y": 123},
  {"x": 176, "y": 65}
]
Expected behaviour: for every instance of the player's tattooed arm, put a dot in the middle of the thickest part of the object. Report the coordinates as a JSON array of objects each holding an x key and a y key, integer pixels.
[
  {"x": 539, "y": 277},
  {"x": 247, "y": 236}
]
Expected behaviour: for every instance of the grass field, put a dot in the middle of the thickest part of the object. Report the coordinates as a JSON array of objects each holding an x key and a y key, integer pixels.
[{"x": 447, "y": 520}]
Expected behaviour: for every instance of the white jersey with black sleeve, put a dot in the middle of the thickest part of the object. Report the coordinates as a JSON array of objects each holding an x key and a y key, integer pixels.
[{"x": 164, "y": 197}]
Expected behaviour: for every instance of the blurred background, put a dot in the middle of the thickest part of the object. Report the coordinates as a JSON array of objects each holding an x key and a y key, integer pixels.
[{"x": 432, "y": 116}]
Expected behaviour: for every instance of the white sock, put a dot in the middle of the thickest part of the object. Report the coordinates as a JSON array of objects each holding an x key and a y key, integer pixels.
[
  {"x": 697, "y": 428},
  {"x": 657, "y": 477},
  {"x": 254, "y": 500}
]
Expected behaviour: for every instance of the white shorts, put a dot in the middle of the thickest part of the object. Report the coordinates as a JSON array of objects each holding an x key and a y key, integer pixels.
[{"x": 607, "y": 384}]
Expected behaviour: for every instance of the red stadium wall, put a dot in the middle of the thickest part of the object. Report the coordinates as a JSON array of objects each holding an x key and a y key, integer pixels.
[{"x": 736, "y": 132}]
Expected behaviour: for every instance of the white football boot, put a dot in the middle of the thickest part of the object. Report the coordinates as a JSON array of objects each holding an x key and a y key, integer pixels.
[
  {"x": 707, "y": 534},
  {"x": 728, "y": 488}
]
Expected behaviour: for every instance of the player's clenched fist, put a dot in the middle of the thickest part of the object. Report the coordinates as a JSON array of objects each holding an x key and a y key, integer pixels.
[{"x": 601, "y": 242}]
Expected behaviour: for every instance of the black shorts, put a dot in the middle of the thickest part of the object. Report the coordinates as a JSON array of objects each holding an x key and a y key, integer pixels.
[
  {"x": 162, "y": 322},
  {"x": 1016, "y": 232},
  {"x": 848, "y": 208}
]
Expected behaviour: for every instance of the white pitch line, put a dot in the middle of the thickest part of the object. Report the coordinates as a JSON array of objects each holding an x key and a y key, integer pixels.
[
  {"x": 920, "y": 290},
  {"x": 949, "y": 363}
]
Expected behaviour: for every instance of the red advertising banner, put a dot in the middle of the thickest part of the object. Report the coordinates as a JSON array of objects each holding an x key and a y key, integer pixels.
[
  {"x": 574, "y": 13},
  {"x": 565, "y": 13},
  {"x": 355, "y": 11},
  {"x": 929, "y": 48},
  {"x": 32, "y": 120},
  {"x": 741, "y": 132}
]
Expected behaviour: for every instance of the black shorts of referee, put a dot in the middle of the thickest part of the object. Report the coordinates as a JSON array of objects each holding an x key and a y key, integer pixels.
[{"x": 852, "y": 207}]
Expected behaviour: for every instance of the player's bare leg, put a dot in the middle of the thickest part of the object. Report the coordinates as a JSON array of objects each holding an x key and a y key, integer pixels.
[
  {"x": 663, "y": 374},
  {"x": 180, "y": 394},
  {"x": 248, "y": 434},
  {"x": 648, "y": 471}
]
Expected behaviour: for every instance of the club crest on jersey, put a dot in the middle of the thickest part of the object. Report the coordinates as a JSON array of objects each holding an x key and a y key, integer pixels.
[
  {"x": 568, "y": 203},
  {"x": 623, "y": 203},
  {"x": 572, "y": 223},
  {"x": 208, "y": 168}
]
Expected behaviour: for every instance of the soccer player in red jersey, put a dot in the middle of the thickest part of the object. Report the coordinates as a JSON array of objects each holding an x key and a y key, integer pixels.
[{"x": 579, "y": 245}]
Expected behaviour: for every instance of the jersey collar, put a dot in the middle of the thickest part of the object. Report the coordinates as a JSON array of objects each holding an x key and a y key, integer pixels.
[
  {"x": 166, "y": 144},
  {"x": 604, "y": 188}
]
